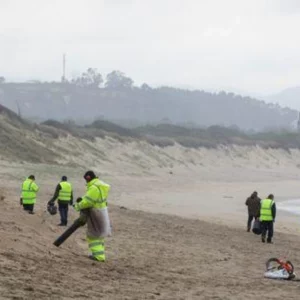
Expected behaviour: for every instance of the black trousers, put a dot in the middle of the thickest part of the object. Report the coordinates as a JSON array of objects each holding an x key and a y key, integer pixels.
[
  {"x": 250, "y": 219},
  {"x": 267, "y": 227},
  {"x": 28, "y": 207},
  {"x": 63, "y": 207}
]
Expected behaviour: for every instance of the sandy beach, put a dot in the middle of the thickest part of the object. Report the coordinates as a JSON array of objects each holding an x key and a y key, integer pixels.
[{"x": 178, "y": 233}]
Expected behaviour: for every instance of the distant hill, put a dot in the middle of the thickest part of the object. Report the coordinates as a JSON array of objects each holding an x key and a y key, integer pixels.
[
  {"x": 289, "y": 97},
  {"x": 142, "y": 105}
]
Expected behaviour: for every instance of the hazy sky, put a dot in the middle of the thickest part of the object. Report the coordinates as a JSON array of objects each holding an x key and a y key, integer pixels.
[{"x": 250, "y": 45}]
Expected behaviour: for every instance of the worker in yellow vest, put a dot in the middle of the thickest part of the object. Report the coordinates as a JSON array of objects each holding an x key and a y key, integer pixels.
[
  {"x": 94, "y": 206},
  {"x": 28, "y": 194},
  {"x": 267, "y": 216},
  {"x": 64, "y": 195}
]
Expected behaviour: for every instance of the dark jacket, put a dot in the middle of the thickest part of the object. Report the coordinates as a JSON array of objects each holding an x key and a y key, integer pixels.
[{"x": 253, "y": 203}]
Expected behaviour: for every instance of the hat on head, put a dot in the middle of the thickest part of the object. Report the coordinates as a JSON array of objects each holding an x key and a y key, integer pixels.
[
  {"x": 89, "y": 175},
  {"x": 31, "y": 177},
  {"x": 64, "y": 178}
]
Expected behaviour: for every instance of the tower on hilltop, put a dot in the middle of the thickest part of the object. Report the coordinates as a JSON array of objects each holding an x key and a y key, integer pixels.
[{"x": 63, "y": 78}]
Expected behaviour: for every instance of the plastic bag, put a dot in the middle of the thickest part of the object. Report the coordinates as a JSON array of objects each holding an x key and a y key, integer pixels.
[{"x": 257, "y": 227}]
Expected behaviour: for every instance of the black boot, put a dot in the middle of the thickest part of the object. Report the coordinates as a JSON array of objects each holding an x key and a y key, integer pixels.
[{"x": 263, "y": 239}]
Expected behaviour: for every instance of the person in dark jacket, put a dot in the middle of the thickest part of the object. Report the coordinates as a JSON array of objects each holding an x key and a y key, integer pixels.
[
  {"x": 64, "y": 194},
  {"x": 267, "y": 215},
  {"x": 253, "y": 203}
]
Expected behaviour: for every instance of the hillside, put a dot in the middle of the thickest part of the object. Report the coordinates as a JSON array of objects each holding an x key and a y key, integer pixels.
[
  {"x": 20, "y": 139},
  {"x": 288, "y": 97},
  {"x": 62, "y": 101}
]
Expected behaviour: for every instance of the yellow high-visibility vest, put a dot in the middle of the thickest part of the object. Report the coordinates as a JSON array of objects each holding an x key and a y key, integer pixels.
[
  {"x": 266, "y": 210},
  {"x": 29, "y": 190},
  {"x": 96, "y": 195},
  {"x": 65, "y": 192}
]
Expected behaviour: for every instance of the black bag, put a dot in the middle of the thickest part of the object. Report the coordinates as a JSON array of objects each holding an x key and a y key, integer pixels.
[
  {"x": 52, "y": 209},
  {"x": 257, "y": 227}
]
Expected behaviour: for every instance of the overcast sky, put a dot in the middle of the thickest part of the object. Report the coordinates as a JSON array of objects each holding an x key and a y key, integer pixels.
[{"x": 248, "y": 45}]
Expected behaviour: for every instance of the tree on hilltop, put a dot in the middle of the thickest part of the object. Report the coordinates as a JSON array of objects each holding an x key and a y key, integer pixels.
[
  {"x": 90, "y": 78},
  {"x": 117, "y": 79}
]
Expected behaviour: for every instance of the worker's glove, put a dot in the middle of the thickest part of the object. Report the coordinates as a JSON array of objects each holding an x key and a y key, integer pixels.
[
  {"x": 21, "y": 201},
  {"x": 71, "y": 203},
  {"x": 76, "y": 207}
]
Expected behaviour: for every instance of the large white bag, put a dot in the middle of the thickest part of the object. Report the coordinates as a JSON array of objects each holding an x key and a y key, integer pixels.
[
  {"x": 277, "y": 274},
  {"x": 98, "y": 223}
]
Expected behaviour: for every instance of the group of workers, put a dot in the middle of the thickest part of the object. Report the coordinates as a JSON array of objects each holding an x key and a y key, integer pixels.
[
  {"x": 93, "y": 204},
  {"x": 263, "y": 210}
]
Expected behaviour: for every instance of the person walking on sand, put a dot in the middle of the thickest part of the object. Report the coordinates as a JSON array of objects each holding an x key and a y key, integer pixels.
[
  {"x": 64, "y": 195},
  {"x": 267, "y": 215},
  {"x": 94, "y": 206},
  {"x": 28, "y": 194},
  {"x": 253, "y": 203}
]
